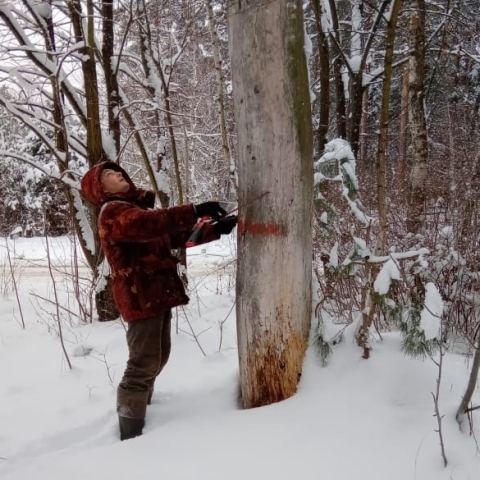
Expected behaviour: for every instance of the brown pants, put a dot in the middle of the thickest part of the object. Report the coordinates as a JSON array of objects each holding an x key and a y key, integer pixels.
[{"x": 149, "y": 346}]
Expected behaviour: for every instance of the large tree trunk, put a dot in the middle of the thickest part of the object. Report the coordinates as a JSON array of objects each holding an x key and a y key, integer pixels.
[
  {"x": 84, "y": 29},
  {"x": 272, "y": 107}
]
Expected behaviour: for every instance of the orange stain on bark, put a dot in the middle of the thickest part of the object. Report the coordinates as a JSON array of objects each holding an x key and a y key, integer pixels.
[{"x": 255, "y": 228}]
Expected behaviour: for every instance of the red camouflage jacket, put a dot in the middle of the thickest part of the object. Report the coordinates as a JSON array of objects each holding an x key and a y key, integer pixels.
[{"x": 137, "y": 242}]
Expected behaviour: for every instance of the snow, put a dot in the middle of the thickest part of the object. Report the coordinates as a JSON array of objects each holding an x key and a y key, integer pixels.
[
  {"x": 432, "y": 312},
  {"x": 333, "y": 262},
  {"x": 384, "y": 278},
  {"x": 354, "y": 419}
]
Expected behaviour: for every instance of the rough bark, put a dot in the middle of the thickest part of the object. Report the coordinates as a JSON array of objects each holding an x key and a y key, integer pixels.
[{"x": 272, "y": 107}]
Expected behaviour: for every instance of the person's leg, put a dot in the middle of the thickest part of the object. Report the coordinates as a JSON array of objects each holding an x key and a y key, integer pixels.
[
  {"x": 165, "y": 348},
  {"x": 144, "y": 346}
]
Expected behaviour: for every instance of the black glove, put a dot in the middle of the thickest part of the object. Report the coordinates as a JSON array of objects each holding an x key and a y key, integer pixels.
[
  {"x": 209, "y": 209},
  {"x": 225, "y": 225}
]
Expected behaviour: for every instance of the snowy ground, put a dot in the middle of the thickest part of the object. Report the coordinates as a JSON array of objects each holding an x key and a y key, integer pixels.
[{"x": 354, "y": 419}]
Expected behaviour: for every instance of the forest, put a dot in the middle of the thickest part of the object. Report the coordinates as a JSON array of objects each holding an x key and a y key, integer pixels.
[{"x": 370, "y": 107}]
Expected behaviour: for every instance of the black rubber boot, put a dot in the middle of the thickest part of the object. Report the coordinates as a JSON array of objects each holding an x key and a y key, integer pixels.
[{"x": 130, "y": 427}]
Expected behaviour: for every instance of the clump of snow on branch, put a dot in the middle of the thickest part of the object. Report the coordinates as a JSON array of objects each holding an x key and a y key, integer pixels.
[
  {"x": 339, "y": 158},
  {"x": 333, "y": 261},
  {"x": 42, "y": 9},
  {"x": 430, "y": 317},
  {"x": 384, "y": 279}
]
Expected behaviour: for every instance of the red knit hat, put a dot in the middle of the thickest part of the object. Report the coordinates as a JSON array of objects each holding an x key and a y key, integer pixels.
[{"x": 91, "y": 183}]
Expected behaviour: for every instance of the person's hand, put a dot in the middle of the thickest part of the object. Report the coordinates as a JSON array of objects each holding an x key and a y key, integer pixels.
[
  {"x": 225, "y": 225},
  {"x": 209, "y": 209}
]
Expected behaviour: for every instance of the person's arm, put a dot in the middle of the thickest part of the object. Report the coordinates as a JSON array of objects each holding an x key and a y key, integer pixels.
[
  {"x": 129, "y": 223},
  {"x": 208, "y": 232}
]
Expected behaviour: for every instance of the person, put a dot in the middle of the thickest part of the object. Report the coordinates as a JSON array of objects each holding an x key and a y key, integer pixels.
[{"x": 137, "y": 241}]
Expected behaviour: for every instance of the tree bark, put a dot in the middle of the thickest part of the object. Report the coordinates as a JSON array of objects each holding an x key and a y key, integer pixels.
[
  {"x": 232, "y": 171},
  {"x": 383, "y": 135},
  {"x": 324, "y": 58},
  {"x": 362, "y": 153},
  {"x": 371, "y": 271},
  {"x": 106, "y": 308},
  {"x": 466, "y": 399},
  {"x": 272, "y": 106},
  {"x": 418, "y": 126},
  {"x": 403, "y": 135},
  {"x": 111, "y": 81},
  {"x": 340, "y": 101}
]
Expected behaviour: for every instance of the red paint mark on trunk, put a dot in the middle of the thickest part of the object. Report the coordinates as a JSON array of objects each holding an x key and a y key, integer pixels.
[{"x": 267, "y": 229}]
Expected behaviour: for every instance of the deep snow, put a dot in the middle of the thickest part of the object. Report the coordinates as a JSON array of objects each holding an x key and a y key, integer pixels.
[{"x": 353, "y": 419}]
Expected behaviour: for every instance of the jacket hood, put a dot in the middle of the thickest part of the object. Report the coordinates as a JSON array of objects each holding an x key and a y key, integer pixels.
[{"x": 93, "y": 192}]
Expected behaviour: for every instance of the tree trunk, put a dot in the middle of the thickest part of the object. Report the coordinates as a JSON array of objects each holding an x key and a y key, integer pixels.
[
  {"x": 111, "y": 81},
  {"x": 324, "y": 59},
  {"x": 149, "y": 67},
  {"x": 232, "y": 171},
  {"x": 372, "y": 270},
  {"x": 272, "y": 106},
  {"x": 403, "y": 135},
  {"x": 355, "y": 113},
  {"x": 418, "y": 126},
  {"x": 383, "y": 135},
  {"x": 362, "y": 154},
  {"x": 340, "y": 101},
  {"x": 85, "y": 31},
  {"x": 466, "y": 399}
]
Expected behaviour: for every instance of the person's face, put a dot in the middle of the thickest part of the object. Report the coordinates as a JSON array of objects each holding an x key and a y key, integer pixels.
[{"x": 113, "y": 182}]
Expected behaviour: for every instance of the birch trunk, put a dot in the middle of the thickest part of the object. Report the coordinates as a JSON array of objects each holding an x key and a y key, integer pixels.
[{"x": 272, "y": 106}]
